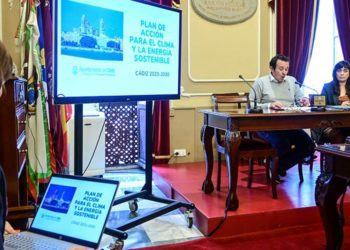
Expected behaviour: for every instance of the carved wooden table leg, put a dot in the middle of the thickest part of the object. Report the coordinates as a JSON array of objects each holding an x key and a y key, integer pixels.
[
  {"x": 232, "y": 143},
  {"x": 206, "y": 137},
  {"x": 328, "y": 190}
]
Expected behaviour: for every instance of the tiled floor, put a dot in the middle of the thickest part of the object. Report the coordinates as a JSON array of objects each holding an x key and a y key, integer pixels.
[{"x": 168, "y": 228}]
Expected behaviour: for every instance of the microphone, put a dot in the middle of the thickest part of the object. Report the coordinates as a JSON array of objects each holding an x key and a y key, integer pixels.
[
  {"x": 317, "y": 102},
  {"x": 307, "y": 87},
  {"x": 255, "y": 108}
]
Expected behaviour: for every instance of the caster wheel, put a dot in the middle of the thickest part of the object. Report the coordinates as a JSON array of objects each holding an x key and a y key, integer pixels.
[
  {"x": 133, "y": 206},
  {"x": 189, "y": 218},
  {"x": 117, "y": 245}
]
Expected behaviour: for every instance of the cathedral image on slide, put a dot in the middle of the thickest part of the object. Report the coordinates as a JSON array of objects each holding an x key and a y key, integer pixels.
[{"x": 92, "y": 35}]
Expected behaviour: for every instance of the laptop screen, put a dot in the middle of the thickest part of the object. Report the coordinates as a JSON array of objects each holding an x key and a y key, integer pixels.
[{"x": 75, "y": 209}]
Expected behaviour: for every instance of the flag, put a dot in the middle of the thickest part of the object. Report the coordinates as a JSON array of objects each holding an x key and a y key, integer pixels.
[
  {"x": 57, "y": 116},
  {"x": 38, "y": 155}
]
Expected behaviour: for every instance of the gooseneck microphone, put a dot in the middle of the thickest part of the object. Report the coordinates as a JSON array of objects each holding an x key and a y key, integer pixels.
[
  {"x": 255, "y": 108},
  {"x": 321, "y": 103},
  {"x": 307, "y": 87}
]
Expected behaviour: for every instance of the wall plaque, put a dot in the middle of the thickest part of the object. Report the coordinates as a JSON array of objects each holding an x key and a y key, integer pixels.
[{"x": 225, "y": 11}]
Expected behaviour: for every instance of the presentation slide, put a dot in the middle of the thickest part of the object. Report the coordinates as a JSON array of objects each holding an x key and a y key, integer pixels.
[
  {"x": 116, "y": 48},
  {"x": 73, "y": 208}
]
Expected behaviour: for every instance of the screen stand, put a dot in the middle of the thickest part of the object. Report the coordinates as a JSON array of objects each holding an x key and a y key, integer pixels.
[
  {"x": 131, "y": 197},
  {"x": 78, "y": 139},
  {"x": 78, "y": 159},
  {"x": 146, "y": 191}
]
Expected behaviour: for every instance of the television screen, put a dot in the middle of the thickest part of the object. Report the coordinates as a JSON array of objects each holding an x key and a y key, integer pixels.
[{"x": 115, "y": 50}]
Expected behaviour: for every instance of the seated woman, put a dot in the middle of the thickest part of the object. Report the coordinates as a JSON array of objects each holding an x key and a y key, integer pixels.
[
  {"x": 337, "y": 92},
  {"x": 6, "y": 66}
]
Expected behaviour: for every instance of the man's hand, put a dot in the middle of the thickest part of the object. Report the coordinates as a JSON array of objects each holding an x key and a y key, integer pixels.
[
  {"x": 303, "y": 102},
  {"x": 276, "y": 105}
]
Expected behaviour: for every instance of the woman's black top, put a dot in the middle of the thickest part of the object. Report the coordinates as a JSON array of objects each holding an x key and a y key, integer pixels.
[{"x": 331, "y": 91}]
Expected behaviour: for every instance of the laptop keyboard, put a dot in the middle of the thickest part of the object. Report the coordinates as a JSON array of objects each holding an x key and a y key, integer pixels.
[{"x": 23, "y": 242}]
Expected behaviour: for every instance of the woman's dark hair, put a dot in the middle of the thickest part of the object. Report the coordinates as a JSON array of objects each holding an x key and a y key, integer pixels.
[
  {"x": 340, "y": 65},
  {"x": 274, "y": 59}
]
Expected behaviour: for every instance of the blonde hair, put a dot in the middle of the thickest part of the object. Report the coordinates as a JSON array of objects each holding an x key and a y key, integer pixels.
[{"x": 6, "y": 64}]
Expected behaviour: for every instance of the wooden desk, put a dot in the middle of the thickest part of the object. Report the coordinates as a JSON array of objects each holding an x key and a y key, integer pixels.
[
  {"x": 330, "y": 185},
  {"x": 239, "y": 121}
]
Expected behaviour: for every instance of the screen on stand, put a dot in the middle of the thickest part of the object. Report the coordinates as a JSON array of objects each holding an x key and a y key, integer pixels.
[{"x": 115, "y": 50}]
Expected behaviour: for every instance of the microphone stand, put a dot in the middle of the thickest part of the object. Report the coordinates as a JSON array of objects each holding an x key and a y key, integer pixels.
[
  {"x": 313, "y": 108},
  {"x": 255, "y": 109},
  {"x": 307, "y": 87}
]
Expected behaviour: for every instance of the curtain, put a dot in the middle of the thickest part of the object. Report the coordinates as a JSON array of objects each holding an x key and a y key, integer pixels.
[
  {"x": 57, "y": 121},
  {"x": 296, "y": 26},
  {"x": 342, "y": 12},
  {"x": 161, "y": 130},
  {"x": 161, "y": 119}
]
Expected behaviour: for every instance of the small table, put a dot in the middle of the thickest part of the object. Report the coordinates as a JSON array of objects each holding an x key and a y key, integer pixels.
[{"x": 330, "y": 185}]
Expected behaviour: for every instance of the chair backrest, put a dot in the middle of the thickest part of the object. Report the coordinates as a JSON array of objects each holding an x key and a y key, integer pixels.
[{"x": 230, "y": 101}]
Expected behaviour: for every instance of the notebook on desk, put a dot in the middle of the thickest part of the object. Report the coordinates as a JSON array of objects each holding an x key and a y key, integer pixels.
[{"x": 73, "y": 212}]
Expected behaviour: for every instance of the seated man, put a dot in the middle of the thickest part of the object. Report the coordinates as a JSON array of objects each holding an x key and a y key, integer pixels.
[{"x": 275, "y": 91}]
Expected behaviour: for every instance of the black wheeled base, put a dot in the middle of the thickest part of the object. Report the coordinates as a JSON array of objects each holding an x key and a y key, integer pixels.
[
  {"x": 119, "y": 232},
  {"x": 170, "y": 206},
  {"x": 146, "y": 192}
]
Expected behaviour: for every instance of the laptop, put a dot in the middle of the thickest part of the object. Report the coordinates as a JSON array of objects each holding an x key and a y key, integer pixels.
[{"x": 73, "y": 212}]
